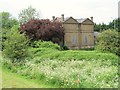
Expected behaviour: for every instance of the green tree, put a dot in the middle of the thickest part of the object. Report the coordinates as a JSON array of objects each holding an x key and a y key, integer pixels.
[
  {"x": 100, "y": 27},
  {"x": 108, "y": 41},
  {"x": 28, "y": 14},
  {"x": 16, "y": 45},
  {"x": 115, "y": 24},
  {"x": 7, "y": 20},
  {"x": 97, "y": 27}
]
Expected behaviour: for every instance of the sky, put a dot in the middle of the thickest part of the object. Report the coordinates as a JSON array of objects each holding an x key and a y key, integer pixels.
[
  {"x": 101, "y": 10},
  {"x": 119, "y": 9}
]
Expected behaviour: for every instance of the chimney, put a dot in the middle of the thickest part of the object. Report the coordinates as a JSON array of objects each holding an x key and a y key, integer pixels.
[
  {"x": 53, "y": 18},
  {"x": 91, "y": 18},
  {"x": 62, "y": 17}
]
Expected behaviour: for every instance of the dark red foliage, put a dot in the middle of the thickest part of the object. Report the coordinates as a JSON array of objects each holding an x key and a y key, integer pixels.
[{"x": 43, "y": 29}]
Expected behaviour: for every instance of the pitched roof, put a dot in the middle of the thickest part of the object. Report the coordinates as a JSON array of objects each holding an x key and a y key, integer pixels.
[
  {"x": 81, "y": 20},
  {"x": 66, "y": 18},
  {"x": 78, "y": 20},
  {"x": 59, "y": 19}
]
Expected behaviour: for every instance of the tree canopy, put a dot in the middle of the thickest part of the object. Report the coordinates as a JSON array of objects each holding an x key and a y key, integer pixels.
[
  {"x": 7, "y": 20},
  {"x": 114, "y": 24},
  {"x": 43, "y": 30},
  {"x": 16, "y": 45},
  {"x": 28, "y": 14}
]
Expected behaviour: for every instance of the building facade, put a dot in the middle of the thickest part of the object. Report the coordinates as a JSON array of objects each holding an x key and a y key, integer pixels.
[{"x": 79, "y": 33}]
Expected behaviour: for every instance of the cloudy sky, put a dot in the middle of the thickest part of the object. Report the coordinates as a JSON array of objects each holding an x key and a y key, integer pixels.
[{"x": 101, "y": 10}]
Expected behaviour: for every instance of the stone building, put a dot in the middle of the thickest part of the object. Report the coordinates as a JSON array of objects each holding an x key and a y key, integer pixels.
[{"x": 79, "y": 33}]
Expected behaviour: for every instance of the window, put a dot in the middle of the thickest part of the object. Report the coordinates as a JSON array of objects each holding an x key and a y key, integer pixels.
[
  {"x": 73, "y": 40},
  {"x": 85, "y": 40}
]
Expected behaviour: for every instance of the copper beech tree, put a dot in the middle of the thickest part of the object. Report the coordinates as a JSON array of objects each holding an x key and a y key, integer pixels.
[{"x": 43, "y": 29}]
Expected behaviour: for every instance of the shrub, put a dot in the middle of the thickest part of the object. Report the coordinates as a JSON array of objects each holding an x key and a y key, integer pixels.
[
  {"x": 43, "y": 30},
  {"x": 108, "y": 41},
  {"x": 15, "y": 46},
  {"x": 45, "y": 44},
  {"x": 4, "y": 37}
]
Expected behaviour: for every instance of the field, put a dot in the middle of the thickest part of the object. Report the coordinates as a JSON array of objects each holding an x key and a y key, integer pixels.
[{"x": 70, "y": 68}]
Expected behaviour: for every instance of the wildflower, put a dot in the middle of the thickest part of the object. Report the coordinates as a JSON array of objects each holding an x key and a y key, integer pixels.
[{"x": 77, "y": 81}]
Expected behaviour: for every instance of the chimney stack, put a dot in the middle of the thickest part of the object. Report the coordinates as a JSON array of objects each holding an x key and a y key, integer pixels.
[
  {"x": 91, "y": 18},
  {"x": 53, "y": 18},
  {"x": 62, "y": 17}
]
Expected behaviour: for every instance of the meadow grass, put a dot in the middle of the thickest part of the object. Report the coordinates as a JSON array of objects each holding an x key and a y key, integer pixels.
[
  {"x": 71, "y": 68},
  {"x": 80, "y": 74},
  {"x": 14, "y": 80},
  {"x": 47, "y": 53}
]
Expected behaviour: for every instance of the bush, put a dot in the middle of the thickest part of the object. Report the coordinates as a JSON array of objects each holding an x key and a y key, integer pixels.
[
  {"x": 108, "y": 41},
  {"x": 43, "y": 30},
  {"x": 45, "y": 44},
  {"x": 4, "y": 37},
  {"x": 16, "y": 45}
]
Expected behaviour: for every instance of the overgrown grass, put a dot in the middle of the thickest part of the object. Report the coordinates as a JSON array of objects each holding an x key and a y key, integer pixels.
[
  {"x": 71, "y": 68},
  {"x": 19, "y": 81},
  {"x": 83, "y": 74},
  {"x": 47, "y": 53}
]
